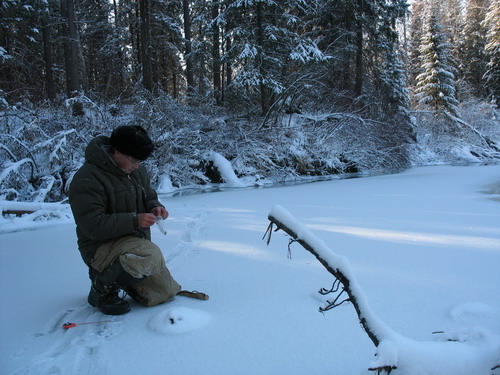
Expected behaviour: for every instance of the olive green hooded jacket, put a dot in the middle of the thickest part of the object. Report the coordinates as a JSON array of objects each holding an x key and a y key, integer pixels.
[{"x": 105, "y": 200}]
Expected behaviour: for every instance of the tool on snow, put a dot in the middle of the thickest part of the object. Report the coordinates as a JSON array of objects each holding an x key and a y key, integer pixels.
[
  {"x": 193, "y": 294},
  {"x": 69, "y": 325}
]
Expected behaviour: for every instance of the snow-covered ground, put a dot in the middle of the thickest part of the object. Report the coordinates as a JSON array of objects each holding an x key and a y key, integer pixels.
[{"x": 424, "y": 246}]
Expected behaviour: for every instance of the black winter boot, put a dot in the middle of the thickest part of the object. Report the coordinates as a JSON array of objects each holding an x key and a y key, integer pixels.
[
  {"x": 105, "y": 287},
  {"x": 107, "y": 300}
]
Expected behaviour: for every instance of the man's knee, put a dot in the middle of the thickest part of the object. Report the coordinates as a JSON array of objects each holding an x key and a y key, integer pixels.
[{"x": 144, "y": 260}]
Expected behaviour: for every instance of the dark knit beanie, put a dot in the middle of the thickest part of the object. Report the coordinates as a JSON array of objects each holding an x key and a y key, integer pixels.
[{"x": 132, "y": 141}]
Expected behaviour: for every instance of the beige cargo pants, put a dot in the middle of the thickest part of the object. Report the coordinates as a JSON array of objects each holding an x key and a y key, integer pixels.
[{"x": 141, "y": 258}]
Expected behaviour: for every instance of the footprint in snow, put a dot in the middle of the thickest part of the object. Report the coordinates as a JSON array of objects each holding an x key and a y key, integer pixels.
[{"x": 178, "y": 320}]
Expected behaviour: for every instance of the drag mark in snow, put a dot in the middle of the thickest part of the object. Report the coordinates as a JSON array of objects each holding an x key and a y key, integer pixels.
[
  {"x": 75, "y": 351},
  {"x": 193, "y": 229}
]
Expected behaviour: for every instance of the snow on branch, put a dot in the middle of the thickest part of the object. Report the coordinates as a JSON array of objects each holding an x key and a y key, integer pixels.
[
  {"x": 394, "y": 351},
  {"x": 339, "y": 267},
  {"x": 21, "y": 208},
  {"x": 14, "y": 168}
]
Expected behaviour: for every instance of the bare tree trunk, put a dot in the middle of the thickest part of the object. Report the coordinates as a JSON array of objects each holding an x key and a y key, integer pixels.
[
  {"x": 135, "y": 40},
  {"x": 116, "y": 78},
  {"x": 216, "y": 55},
  {"x": 145, "y": 32},
  {"x": 358, "y": 86},
  {"x": 188, "y": 46},
  {"x": 174, "y": 85},
  {"x": 264, "y": 95},
  {"x": 228, "y": 68},
  {"x": 47, "y": 57},
  {"x": 71, "y": 48}
]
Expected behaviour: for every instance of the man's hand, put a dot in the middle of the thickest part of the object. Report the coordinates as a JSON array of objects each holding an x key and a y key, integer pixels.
[
  {"x": 160, "y": 211},
  {"x": 145, "y": 220}
]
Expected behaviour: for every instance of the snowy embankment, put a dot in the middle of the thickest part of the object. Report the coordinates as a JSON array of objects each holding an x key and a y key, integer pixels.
[{"x": 423, "y": 245}]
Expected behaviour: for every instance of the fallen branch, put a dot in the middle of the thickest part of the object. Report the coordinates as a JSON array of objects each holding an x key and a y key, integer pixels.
[
  {"x": 338, "y": 266},
  {"x": 23, "y": 208},
  {"x": 389, "y": 356},
  {"x": 17, "y": 212}
]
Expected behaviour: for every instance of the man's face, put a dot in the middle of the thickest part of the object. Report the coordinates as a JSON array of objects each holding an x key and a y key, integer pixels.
[{"x": 127, "y": 163}]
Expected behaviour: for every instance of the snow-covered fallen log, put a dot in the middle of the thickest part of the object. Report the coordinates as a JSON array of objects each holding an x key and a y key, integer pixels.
[
  {"x": 479, "y": 354},
  {"x": 34, "y": 209},
  {"x": 225, "y": 169},
  {"x": 21, "y": 208},
  {"x": 32, "y": 215}
]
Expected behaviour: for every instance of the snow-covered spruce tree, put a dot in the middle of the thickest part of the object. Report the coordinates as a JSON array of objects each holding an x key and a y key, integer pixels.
[
  {"x": 472, "y": 56},
  {"x": 166, "y": 41},
  {"x": 451, "y": 23},
  {"x": 415, "y": 31},
  {"x": 492, "y": 75},
  {"x": 149, "y": 37},
  {"x": 451, "y": 17},
  {"x": 386, "y": 66},
  {"x": 103, "y": 55},
  {"x": 436, "y": 84},
  {"x": 387, "y": 82},
  {"x": 205, "y": 51},
  {"x": 363, "y": 38},
  {"x": 266, "y": 47},
  {"x": 333, "y": 24}
]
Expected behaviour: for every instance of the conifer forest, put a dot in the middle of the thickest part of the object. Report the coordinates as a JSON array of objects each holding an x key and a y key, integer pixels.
[{"x": 282, "y": 89}]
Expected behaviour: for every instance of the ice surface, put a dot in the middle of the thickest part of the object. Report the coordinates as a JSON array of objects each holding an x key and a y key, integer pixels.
[{"x": 423, "y": 246}]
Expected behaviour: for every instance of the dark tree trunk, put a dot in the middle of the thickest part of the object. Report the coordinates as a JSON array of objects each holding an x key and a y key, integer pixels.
[
  {"x": 358, "y": 86},
  {"x": 216, "y": 55},
  {"x": 264, "y": 95},
  {"x": 47, "y": 57},
  {"x": 145, "y": 47},
  {"x": 188, "y": 47},
  {"x": 228, "y": 67},
  {"x": 71, "y": 48}
]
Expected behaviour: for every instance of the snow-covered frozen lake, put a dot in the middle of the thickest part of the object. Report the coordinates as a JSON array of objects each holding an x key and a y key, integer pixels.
[{"x": 424, "y": 246}]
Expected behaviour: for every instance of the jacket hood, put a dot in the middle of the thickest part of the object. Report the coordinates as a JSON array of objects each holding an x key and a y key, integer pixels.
[{"x": 97, "y": 153}]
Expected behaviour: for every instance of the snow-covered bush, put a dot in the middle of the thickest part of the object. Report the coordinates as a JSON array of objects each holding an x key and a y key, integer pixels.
[
  {"x": 41, "y": 148},
  {"x": 474, "y": 137}
]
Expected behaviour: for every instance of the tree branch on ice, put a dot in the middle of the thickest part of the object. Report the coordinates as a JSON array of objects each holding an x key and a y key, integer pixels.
[{"x": 394, "y": 351}]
